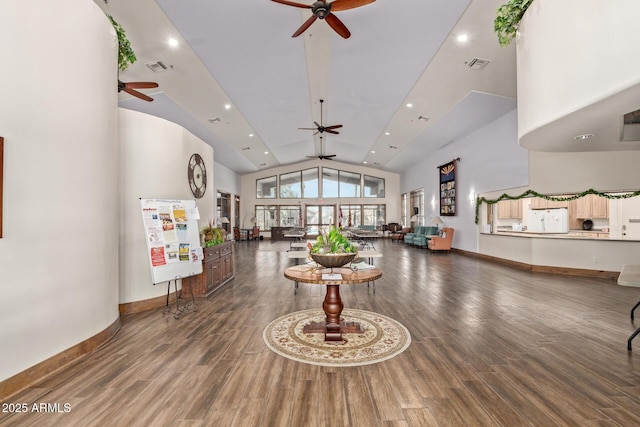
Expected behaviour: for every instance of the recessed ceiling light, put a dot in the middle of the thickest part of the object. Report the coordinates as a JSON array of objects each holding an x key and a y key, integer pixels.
[
  {"x": 173, "y": 42},
  {"x": 365, "y": 162},
  {"x": 409, "y": 105},
  {"x": 227, "y": 106},
  {"x": 373, "y": 151},
  {"x": 266, "y": 152},
  {"x": 583, "y": 136},
  {"x": 463, "y": 38},
  {"x": 387, "y": 133},
  {"x": 250, "y": 135}
]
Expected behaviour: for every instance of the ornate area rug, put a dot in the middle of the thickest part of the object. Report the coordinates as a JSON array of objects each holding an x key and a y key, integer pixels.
[{"x": 383, "y": 338}]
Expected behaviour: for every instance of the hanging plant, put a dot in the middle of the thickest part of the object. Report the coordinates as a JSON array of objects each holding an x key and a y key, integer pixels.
[
  {"x": 126, "y": 56},
  {"x": 508, "y": 18},
  {"x": 530, "y": 193}
]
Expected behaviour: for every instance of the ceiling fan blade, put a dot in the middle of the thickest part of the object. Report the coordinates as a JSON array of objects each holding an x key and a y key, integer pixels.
[
  {"x": 333, "y": 127},
  {"x": 337, "y": 25},
  {"x": 335, "y": 132},
  {"x": 141, "y": 85},
  {"x": 290, "y": 3},
  {"x": 138, "y": 94},
  {"x": 308, "y": 128},
  {"x": 311, "y": 157},
  {"x": 339, "y": 5},
  {"x": 304, "y": 26}
]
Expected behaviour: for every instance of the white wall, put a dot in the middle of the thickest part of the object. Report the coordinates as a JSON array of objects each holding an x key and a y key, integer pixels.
[
  {"x": 557, "y": 173},
  {"x": 391, "y": 199},
  {"x": 228, "y": 181},
  {"x": 577, "y": 73},
  {"x": 490, "y": 160},
  {"x": 58, "y": 114},
  {"x": 154, "y": 154}
]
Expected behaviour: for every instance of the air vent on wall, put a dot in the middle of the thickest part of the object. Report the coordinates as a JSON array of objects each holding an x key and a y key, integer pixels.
[
  {"x": 156, "y": 67},
  {"x": 477, "y": 63}
]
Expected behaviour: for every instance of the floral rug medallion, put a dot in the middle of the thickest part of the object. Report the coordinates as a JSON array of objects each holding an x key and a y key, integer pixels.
[{"x": 383, "y": 338}]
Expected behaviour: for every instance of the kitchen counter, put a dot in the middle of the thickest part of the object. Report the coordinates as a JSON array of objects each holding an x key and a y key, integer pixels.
[{"x": 572, "y": 234}]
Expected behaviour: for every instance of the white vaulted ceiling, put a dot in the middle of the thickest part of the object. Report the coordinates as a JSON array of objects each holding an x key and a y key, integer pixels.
[{"x": 241, "y": 53}]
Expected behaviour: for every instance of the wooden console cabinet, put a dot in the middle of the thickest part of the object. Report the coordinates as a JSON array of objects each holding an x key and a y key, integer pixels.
[{"x": 217, "y": 269}]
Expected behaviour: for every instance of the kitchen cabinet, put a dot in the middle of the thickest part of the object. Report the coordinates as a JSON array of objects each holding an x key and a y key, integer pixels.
[
  {"x": 539, "y": 203},
  {"x": 217, "y": 269},
  {"x": 508, "y": 209},
  {"x": 592, "y": 206}
]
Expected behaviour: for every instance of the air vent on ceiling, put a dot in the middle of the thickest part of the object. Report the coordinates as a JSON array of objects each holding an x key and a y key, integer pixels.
[
  {"x": 477, "y": 63},
  {"x": 156, "y": 67}
]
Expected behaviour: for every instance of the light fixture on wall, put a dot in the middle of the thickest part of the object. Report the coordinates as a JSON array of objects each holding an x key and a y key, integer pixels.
[{"x": 472, "y": 197}]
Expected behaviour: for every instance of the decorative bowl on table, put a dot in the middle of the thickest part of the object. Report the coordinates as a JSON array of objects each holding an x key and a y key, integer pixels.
[{"x": 333, "y": 260}]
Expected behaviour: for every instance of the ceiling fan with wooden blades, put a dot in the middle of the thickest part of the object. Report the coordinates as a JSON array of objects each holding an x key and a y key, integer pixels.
[
  {"x": 131, "y": 87},
  {"x": 320, "y": 128},
  {"x": 322, "y": 9},
  {"x": 321, "y": 156}
]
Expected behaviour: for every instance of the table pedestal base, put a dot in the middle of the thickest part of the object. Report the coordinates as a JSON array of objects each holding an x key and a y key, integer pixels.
[{"x": 332, "y": 332}]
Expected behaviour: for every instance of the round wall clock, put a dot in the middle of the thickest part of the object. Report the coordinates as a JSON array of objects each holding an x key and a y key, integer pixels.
[{"x": 197, "y": 175}]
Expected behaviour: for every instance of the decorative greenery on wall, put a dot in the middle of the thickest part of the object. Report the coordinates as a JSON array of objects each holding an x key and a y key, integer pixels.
[
  {"x": 508, "y": 18},
  {"x": 529, "y": 193},
  {"x": 126, "y": 56}
]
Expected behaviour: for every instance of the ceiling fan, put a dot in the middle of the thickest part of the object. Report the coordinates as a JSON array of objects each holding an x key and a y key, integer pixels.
[
  {"x": 131, "y": 86},
  {"x": 321, "y": 9},
  {"x": 320, "y": 128},
  {"x": 321, "y": 156}
]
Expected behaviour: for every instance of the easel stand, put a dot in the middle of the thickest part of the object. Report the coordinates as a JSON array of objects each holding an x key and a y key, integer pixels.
[{"x": 191, "y": 306}]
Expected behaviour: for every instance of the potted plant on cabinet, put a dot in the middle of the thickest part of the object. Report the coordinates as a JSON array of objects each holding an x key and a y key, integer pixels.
[
  {"x": 508, "y": 18},
  {"x": 212, "y": 235}
]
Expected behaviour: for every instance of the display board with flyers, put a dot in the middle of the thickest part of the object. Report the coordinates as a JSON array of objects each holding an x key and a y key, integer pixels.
[{"x": 173, "y": 238}]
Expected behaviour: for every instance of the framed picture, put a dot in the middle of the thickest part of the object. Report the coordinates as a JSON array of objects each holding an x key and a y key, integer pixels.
[{"x": 447, "y": 174}]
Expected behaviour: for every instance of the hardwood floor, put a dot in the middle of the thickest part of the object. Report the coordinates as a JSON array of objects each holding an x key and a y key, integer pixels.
[{"x": 491, "y": 346}]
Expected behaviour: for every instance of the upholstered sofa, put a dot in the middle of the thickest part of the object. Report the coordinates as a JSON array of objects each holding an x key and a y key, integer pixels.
[
  {"x": 421, "y": 240},
  {"x": 408, "y": 238},
  {"x": 443, "y": 242}
]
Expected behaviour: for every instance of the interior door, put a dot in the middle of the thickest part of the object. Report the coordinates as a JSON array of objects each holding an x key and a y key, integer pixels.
[{"x": 631, "y": 218}]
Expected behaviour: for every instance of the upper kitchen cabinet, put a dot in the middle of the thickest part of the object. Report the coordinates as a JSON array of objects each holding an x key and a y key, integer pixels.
[
  {"x": 508, "y": 209},
  {"x": 592, "y": 206},
  {"x": 539, "y": 203}
]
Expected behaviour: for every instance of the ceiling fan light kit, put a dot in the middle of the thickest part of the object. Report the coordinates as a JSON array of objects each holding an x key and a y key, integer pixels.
[{"x": 322, "y": 10}]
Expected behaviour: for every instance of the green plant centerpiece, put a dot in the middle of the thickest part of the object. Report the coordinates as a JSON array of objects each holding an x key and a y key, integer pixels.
[
  {"x": 333, "y": 249},
  {"x": 508, "y": 18},
  {"x": 212, "y": 235}
]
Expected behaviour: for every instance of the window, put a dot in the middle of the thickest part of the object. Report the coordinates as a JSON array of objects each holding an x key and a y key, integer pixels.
[
  {"x": 290, "y": 216},
  {"x": 349, "y": 184},
  {"x": 266, "y": 217},
  {"x": 266, "y": 188},
  {"x": 373, "y": 187},
  {"x": 320, "y": 218},
  {"x": 310, "y": 183},
  {"x": 351, "y": 215},
  {"x": 329, "y": 183},
  {"x": 374, "y": 215},
  {"x": 417, "y": 207},
  {"x": 291, "y": 185},
  {"x": 223, "y": 210},
  {"x": 404, "y": 212}
]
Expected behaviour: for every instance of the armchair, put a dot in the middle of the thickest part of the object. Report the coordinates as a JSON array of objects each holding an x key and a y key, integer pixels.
[
  {"x": 422, "y": 239},
  {"x": 442, "y": 243},
  {"x": 399, "y": 234}
]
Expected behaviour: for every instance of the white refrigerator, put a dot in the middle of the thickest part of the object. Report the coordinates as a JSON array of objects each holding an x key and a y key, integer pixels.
[{"x": 548, "y": 221}]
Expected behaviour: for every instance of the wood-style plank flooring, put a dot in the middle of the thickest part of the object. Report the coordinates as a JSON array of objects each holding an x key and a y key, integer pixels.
[{"x": 491, "y": 346}]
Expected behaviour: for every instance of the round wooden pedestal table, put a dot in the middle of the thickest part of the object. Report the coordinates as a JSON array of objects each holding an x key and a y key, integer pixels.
[{"x": 333, "y": 327}]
